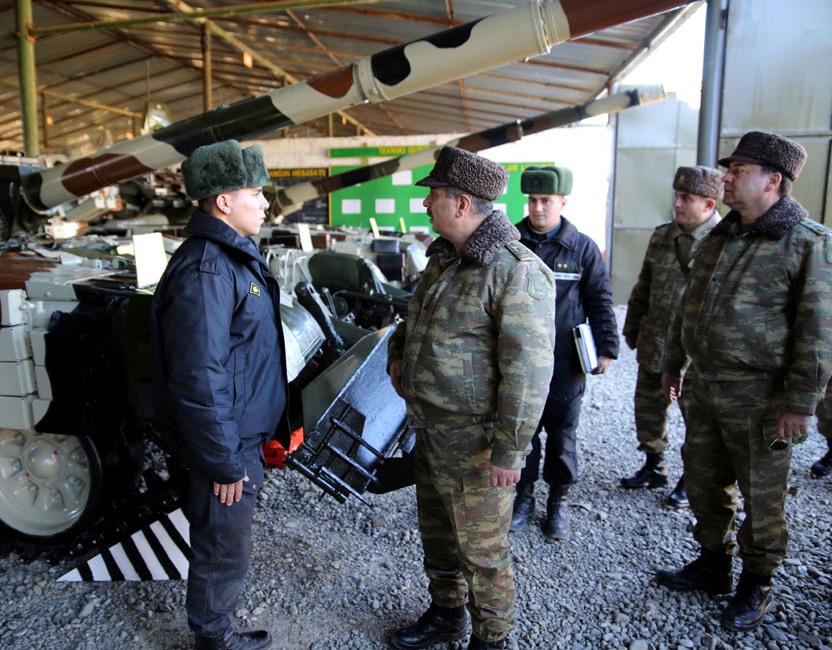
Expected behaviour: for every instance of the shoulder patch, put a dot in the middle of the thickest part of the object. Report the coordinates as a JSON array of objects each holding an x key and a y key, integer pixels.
[
  {"x": 519, "y": 251},
  {"x": 254, "y": 290},
  {"x": 538, "y": 287}
]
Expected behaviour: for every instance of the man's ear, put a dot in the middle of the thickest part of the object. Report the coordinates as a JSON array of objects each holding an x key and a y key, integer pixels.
[{"x": 464, "y": 203}]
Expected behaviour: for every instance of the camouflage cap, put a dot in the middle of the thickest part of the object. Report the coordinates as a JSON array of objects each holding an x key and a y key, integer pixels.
[
  {"x": 223, "y": 167},
  {"x": 546, "y": 180},
  {"x": 468, "y": 172},
  {"x": 771, "y": 150},
  {"x": 700, "y": 180}
]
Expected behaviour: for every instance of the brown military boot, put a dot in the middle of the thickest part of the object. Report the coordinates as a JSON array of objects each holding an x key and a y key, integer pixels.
[
  {"x": 750, "y": 604},
  {"x": 710, "y": 572},
  {"x": 523, "y": 508},
  {"x": 652, "y": 475}
]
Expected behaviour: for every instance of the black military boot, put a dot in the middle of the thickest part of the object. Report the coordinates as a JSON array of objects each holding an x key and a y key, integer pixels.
[
  {"x": 478, "y": 644},
  {"x": 523, "y": 508},
  {"x": 710, "y": 572},
  {"x": 652, "y": 475},
  {"x": 556, "y": 525},
  {"x": 750, "y": 604},
  {"x": 436, "y": 624},
  {"x": 231, "y": 640},
  {"x": 823, "y": 467},
  {"x": 679, "y": 497}
]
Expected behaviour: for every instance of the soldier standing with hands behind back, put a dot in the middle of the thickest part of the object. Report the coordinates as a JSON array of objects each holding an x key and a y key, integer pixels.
[
  {"x": 653, "y": 303},
  {"x": 756, "y": 322}
]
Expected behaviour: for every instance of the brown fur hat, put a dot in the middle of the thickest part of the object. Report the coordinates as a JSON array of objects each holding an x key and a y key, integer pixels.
[
  {"x": 468, "y": 172},
  {"x": 771, "y": 150},
  {"x": 700, "y": 180}
]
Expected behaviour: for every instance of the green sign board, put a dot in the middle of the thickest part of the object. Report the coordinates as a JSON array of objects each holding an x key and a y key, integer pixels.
[{"x": 394, "y": 198}]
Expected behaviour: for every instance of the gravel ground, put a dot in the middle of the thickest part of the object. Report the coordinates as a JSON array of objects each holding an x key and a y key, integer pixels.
[{"x": 340, "y": 576}]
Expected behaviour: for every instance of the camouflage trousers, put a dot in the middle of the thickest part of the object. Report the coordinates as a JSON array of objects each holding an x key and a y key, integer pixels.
[
  {"x": 730, "y": 426},
  {"x": 464, "y": 525},
  {"x": 651, "y": 410}
]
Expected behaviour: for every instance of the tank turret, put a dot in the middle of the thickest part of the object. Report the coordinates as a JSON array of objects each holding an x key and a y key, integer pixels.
[{"x": 448, "y": 55}]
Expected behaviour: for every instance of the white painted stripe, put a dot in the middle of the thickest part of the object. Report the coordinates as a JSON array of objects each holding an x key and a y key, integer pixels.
[
  {"x": 149, "y": 556},
  {"x": 99, "y": 569},
  {"x": 176, "y": 556},
  {"x": 124, "y": 563},
  {"x": 72, "y": 576}
]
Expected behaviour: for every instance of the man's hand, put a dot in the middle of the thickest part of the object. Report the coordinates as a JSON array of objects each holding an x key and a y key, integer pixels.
[
  {"x": 793, "y": 425},
  {"x": 671, "y": 387},
  {"x": 603, "y": 365},
  {"x": 502, "y": 477},
  {"x": 229, "y": 493},
  {"x": 395, "y": 371}
]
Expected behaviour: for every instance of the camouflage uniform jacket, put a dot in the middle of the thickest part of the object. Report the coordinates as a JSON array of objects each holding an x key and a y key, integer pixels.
[
  {"x": 477, "y": 344},
  {"x": 759, "y": 304},
  {"x": 658, "y": 291}
]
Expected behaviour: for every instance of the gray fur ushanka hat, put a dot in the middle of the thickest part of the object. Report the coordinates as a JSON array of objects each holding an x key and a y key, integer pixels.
[
  {"x": 546, "y": 180},
  {"x": 771, "y": 150},
  {"x": 468, "y": 172},
  {"x": 223, "y": 167},
  {"x": 700, "y": 180}
]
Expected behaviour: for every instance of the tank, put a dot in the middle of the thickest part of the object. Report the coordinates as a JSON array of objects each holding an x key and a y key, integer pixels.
[{"x": 79, "y": 463}]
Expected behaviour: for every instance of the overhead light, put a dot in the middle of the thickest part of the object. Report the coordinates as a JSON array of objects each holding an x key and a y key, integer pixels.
[
  {"x": 49, "y": 120},
  {"x": 156, "y": 116},
  {"x": 248, "y": 62}
]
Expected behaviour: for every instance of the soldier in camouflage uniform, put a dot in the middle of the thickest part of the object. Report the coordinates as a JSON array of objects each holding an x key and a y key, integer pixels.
[
  {"x": 823, "y": 466},
  {"x": 473, "y": 361},
  {"x": 756, "y": 322},
  {"x": 653, "y": 302}
]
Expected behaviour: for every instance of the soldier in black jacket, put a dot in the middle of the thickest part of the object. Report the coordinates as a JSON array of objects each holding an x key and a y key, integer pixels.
[{"x": 583, "y": 293}]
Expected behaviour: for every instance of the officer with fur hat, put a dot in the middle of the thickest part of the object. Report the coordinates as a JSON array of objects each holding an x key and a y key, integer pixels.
[
  {"x": 583, "y": 293},
  {"x": 653, "y": 302},
  {"x": 754, "y": 324},
  {"x": 219, "y": 378},
  {"x": 472, "y": 360}
]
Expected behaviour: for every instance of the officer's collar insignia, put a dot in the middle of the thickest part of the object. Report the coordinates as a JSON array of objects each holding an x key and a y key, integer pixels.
[{"x": 254, "y": 289}]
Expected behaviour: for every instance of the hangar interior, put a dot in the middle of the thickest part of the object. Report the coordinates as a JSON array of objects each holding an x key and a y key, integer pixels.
[{"x": 82, "y": 81}]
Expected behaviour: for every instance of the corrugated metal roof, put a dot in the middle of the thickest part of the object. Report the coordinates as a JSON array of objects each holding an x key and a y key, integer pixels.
[{"x": 96, "y": 82}]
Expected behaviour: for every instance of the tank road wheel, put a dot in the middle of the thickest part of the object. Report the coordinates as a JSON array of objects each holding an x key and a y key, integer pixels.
[{"x": 48, "y": 483}]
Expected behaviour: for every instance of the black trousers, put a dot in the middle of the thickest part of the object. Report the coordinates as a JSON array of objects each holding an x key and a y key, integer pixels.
[
  {"x": 220, "y": 538},
  {"x": 560, "y": 419}
]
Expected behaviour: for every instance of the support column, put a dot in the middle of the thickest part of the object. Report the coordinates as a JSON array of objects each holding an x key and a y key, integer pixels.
[
  {"x": 26, "y": 73},
  {"x": 207, "y": 68}
]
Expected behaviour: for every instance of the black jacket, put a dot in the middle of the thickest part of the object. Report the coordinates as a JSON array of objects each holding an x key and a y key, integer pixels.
[
  {"x": 583, "y": 286},
  {"x": 219, "y": 365}
]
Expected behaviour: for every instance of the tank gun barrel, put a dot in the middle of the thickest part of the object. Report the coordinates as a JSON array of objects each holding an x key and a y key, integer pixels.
[
  {"x": 291, "y": 199},
  {"x": 445, "y": 56}
]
